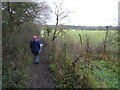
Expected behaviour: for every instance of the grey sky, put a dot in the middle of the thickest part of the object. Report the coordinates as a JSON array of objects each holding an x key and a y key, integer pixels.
[{"x": 89, "y": 12}]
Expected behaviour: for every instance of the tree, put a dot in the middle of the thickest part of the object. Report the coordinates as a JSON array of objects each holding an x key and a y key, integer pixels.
[
  {"x": 16, "y": 14},
  {"x": 60, "y": 16}
]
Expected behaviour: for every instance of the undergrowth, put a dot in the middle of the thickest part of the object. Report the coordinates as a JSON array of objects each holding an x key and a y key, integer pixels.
[
  {"x": 16, "y": 57},
  {"x": 105, "y": 73},
  {"x": 73, "y": 67},
  {"x": 14, "y": 73}
]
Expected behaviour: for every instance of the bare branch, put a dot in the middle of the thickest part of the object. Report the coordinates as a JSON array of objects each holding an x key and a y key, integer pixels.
[
  {"x": 60, "y": 15},
  {"x": 63, "y": 17}
]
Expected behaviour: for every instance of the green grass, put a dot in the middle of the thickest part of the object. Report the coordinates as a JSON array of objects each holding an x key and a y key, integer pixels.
[
  {"x": 95, "y": 36},
  {"x": 105, "y": 74},
  {"x": 92, "y": 34}
]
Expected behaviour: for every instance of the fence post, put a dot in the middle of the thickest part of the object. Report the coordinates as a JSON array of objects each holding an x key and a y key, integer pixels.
[
  {"x": 87, "y": 44},
  {"x": 80, "y": 39},
  {"x": 106, "y": 35}
]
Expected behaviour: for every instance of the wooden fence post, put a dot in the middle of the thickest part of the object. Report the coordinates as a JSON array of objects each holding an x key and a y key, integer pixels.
[
  {"x": 87, "y": 44},
  {"x": 106, "y": 36},
  {"x": 80, "y": 39}
]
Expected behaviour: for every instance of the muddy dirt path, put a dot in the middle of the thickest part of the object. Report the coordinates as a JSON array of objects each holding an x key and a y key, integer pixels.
[{"x": 39, "y": 75}]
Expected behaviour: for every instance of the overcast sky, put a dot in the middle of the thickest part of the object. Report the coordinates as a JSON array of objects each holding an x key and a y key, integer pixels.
[{"x": 89, "y": 12}]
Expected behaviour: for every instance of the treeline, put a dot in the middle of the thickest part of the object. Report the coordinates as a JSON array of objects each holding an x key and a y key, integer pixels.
[{"x": 87, "y": 27}]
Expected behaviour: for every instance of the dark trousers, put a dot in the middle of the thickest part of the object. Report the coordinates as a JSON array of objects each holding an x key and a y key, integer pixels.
[{"x": 35, "y": 56}]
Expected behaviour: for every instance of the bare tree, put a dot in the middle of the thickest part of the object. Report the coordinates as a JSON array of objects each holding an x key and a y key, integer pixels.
[{"x": 60, "y": 15}]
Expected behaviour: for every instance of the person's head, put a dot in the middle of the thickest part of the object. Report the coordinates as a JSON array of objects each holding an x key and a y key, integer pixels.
[{"x": 34, "y": 37}]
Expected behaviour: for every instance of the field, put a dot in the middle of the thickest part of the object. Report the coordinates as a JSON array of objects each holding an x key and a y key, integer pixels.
[{"x": 95, "y": 36}]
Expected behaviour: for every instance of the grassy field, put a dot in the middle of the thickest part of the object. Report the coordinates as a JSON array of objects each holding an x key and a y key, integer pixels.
[{"x": 94, "y": 36}]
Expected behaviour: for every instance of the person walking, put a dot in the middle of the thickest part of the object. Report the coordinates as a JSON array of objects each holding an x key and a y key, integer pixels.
[{"x": 35, "y": 48}]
